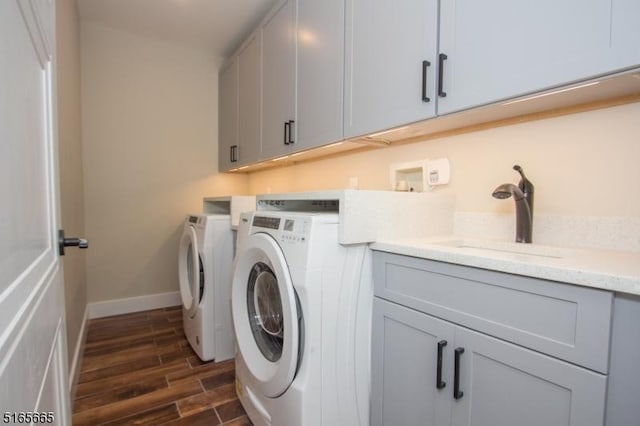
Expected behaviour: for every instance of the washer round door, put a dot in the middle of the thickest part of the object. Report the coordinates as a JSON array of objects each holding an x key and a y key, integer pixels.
[
  {"x": 265, "y": 314},
  {"x": 190, "y": 271}
]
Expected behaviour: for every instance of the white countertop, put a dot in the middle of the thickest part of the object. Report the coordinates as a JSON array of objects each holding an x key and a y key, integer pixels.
[{"x": 604, "y": 269}]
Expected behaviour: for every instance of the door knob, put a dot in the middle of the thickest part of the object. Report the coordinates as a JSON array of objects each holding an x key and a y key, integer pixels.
[{"x": 70, "y": 242}]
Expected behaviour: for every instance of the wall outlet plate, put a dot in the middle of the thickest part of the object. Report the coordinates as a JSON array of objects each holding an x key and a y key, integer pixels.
[{"x": 438, "y": 172}]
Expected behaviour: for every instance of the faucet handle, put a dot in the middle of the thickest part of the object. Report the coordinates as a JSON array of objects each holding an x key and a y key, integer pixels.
[
  {"x": 525, "y": 184},
  {"x": 526, "y": 187},
  {"x": 518, "y": 169}
]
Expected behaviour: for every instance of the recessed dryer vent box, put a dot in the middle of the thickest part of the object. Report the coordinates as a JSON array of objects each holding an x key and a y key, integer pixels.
[
  {"x": 232, "y": 205},
  {"x": 411, "y": 176},
  {"x": 419, "y": 176}
]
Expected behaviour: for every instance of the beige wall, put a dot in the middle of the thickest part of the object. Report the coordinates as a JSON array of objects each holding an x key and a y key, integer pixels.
[
  {"x": 583, "y": 164},
  {"x": 70, "y": 164},
  {"x": 150, "y": 156}
]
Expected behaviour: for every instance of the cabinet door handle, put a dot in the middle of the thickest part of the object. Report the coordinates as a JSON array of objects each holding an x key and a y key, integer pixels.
[
  {"x": 439, "y": 383},
  {"x": 291, "y": 122},
  {"x": 457, "y": 353},
  {"x": 286, "y": 138},
  {"x": 425, "y": 65},
  {"x": 441, "y": 58},
  {"x": 233, "y": 153}
]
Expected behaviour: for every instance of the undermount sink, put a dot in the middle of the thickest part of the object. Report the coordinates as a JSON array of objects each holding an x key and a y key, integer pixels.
[{"x": 506, "y": 247}]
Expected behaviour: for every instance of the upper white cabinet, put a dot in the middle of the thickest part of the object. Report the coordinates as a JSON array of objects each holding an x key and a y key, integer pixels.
[
  {"x": 499, "y": 49},
  {"x": 249, "y": 101},
  {"x": 320, "y": 87},
  {"x": 320, "y": 79},
  {"x": 239, "y": 107},
  {"x": 278, "y": 80},
  {"x": 318, "y": 72},
  {"x": 391, "y": 63},
  {"x": 228, "y": 115},
  {"x": 407, "y": 62},
  {"x": 302, "y": 76}
]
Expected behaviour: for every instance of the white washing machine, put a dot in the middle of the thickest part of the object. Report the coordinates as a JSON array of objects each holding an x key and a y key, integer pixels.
[
  {"x": 204, "y": 267},
  {"x": 301, "y": 306}
]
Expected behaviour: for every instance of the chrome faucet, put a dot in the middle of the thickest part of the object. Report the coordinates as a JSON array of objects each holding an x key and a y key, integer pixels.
[{"x": 523, "y": 196}]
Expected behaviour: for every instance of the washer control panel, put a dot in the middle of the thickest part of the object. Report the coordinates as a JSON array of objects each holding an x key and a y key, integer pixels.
[{"x": 284, "y": 229}]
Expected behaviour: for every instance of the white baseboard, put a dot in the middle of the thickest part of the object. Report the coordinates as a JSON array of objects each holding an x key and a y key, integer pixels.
[
  {"x": 76, "y": 363},
  {"x": 133, "y": 304}
]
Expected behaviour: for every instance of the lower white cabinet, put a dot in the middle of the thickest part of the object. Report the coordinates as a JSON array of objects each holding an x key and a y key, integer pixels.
[
  {"x": 457, "y": 346},
  {"x": 433, "y": 373},
  {"x": 405, "y": 365}
]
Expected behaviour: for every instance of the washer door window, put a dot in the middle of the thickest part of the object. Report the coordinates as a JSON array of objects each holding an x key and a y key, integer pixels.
[
  {"x": 265, "y": 314},
  {"x": 264, "y": 308},
  {"x": 190, "y": 271}
]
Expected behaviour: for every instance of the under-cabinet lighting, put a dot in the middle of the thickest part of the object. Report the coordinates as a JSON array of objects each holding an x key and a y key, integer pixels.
[
  {"x": 333, "y": 144},
  {"x": 280, "y": 158},
  {"x": 551, "y": 93},
  {"x": 373, "y": 135}
]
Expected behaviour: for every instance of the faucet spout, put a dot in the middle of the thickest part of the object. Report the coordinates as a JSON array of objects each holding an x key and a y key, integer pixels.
[{"x": 523, "y": 197}]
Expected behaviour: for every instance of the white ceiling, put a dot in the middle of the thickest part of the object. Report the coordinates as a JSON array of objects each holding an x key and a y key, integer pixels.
[{"x": 216, "y": 25}]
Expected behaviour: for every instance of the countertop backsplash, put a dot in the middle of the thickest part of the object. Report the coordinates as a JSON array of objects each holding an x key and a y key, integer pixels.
[{"x": 607, "y": 233}]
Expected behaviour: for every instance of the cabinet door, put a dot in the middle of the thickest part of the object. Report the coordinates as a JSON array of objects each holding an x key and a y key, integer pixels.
[
  {"x": 386, "y": 44},
  {"x": 278, "y": 80},
  {"x": 320, "y": 70},
  {"x": 227, "y": 115},
  {"x": 249, "y": 101},
  {"x": 404, "y": 367},
  {"x": 506, "y": 385},
  {"x": 498, "y": 49}
]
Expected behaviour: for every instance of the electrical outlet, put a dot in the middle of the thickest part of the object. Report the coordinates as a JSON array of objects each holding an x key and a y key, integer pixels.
[
  {"x": 438, "y": 171},
  {"x": 433, "y": 177}
]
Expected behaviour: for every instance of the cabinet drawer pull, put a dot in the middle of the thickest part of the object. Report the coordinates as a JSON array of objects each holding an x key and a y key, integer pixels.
[
  {"x": 233, "y": 153},
  {"x": 425, "y": 98},
  {"x": 291, "y": 122},
  {"x": 441, "y": 58},
  {"x": 457, "y": 393},
  {"x": 439, "y": 383}
]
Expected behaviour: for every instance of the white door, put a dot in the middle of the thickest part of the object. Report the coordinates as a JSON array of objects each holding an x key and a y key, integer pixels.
[{"x": 33, "y": 358}]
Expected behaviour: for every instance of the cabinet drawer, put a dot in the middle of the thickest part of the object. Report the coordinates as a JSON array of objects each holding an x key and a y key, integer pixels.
[{"x": 566, "y": 321}]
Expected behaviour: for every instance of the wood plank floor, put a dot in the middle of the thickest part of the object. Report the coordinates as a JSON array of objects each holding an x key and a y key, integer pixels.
[{"x": 138, "y": 369}]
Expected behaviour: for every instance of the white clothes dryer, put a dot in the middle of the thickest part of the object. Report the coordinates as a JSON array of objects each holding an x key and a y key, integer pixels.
[
  {"x": 204, "y": 267},
  {"x": 301, "y": 306}
]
